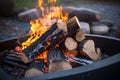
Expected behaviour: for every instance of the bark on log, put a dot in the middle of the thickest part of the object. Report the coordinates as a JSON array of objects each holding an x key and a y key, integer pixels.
[
  {"x": 54, "y": 36},
  {"x": 88, "y": 50},
  {"x": 87, "y": 15}
]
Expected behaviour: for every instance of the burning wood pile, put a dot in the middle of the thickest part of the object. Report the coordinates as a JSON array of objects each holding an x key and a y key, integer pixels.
[
  {"x": 61, "y": 47},
  {"x": 55, "y": 44}
]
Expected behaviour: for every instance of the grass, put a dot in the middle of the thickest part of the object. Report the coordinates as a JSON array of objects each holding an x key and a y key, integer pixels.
[
  {"x": 26, "y": 4},
  {"x": 33, "y": 3}
]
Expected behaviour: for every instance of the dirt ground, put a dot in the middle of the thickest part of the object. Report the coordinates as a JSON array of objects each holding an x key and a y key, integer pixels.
[{"x": 12, "y": 27}]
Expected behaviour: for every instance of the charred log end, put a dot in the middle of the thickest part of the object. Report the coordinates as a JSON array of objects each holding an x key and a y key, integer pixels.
[
  {"x": 88, "y": 50},
  {"x": 59, "y": 66}
]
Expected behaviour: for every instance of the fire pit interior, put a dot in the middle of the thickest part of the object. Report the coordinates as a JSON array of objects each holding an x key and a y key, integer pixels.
[{"x": 16, "y": 69}]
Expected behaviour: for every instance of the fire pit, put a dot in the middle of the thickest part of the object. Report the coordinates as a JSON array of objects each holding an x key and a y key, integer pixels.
[{"x": 101, "y": 70}]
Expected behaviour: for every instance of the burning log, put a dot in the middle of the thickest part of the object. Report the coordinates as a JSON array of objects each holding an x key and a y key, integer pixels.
[
  {"x": 15, "y": 64},
  {"x": 54, "y": 35},
  {"x": 87, "y": 48}
]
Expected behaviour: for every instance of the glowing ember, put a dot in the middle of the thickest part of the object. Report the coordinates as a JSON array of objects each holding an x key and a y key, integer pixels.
[{"x": 49, "y": 16}]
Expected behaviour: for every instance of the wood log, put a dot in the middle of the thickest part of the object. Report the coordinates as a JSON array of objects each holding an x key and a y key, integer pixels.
[
  {"x": 86, "y": 15},
  {"x": 70, "y": 43},
  {"x": 80, "y": 36},
  {"x": 73, "y": 25},
  {"x": 59, "y": 66},
  {"x": 88, "y": 49},
  {"x": 36, "y": 68},
  {"x": 15, "y": 64},
  {"x": 32, "y": 72},
  {"x": 53, "y": 36}
]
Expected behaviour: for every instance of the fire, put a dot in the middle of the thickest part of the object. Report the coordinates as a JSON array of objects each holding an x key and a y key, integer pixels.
[{"x": 49, "y": 16}]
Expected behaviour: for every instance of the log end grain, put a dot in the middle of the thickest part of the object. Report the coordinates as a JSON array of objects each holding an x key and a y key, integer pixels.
[
  {"x": 32, "y": 72},
  {"x": 59, "y": 66}
]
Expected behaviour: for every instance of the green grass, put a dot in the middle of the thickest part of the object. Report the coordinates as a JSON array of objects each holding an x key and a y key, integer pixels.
[
  {"x": 26, "y": 4},
  {"x": 33, "y": 3}
]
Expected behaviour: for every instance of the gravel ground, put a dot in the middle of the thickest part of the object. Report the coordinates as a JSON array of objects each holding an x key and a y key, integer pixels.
[{"x": 12, "y": 27}]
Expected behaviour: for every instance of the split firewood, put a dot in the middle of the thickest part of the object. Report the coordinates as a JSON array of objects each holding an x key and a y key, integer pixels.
[
  {"x": 32, "y": 72},
  {"x": 59, "y": 66},
  {"x": 36, "y": 68},
  {"x": 87, "y": 15},
  {"x": 85, "y": 27},
  {"x": 54, "y": 36},
  {"x": 101, "y": 29},
  {"x": 73, "y": 25},
  {"x": 80, "y": 36},
  {"x": 56, "y": 61},
  {"x": 88, "y": 50},
  {"x": 70, "y": 43}
]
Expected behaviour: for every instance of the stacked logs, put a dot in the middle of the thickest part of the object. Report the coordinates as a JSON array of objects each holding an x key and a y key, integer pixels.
[{"x": 78, "y": 44}]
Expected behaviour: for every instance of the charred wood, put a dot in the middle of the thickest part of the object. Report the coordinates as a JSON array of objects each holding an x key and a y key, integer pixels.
[{"x": 50, "y": 38}]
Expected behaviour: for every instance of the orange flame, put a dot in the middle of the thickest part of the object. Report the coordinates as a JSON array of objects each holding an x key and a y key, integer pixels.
[{"x": 49, "y": 16}]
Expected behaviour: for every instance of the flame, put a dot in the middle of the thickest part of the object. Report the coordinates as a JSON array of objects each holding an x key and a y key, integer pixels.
[
  {"x": 49, "y": 16},
  {"x": 43, "y": 56}
]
